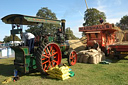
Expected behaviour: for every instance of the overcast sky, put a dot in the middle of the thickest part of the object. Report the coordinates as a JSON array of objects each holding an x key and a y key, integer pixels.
[{"x": 71, "y": 10}]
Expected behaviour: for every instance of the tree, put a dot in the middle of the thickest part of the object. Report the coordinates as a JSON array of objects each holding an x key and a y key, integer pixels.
[
  {"x": 45, "y": 28},
  {"x": 92, "y": 17},
  {"x": 1, "y": 41},
  {"x": 124, "y": 20},
  {"x": 123, "y": 24},
  {"x": 10, "y": 38},
  {"x": 69, "y": 34}
]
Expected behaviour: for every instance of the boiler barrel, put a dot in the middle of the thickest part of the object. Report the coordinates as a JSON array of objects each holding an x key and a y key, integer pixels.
[{"x": 64, "y": 46}]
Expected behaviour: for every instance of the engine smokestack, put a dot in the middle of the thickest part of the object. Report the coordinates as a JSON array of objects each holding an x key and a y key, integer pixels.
[{"x": 63, "y": 25}]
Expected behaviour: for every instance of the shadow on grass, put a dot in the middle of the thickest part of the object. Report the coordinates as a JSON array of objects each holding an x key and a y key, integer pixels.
[
  {"x": 35, "y": 74},
  {"x": 43, "y": 76},
  {"x": 6, "y": 70},
  {"x": 118, "y": 59}
]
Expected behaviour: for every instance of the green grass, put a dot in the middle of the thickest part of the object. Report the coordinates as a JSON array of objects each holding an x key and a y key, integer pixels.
[{"x": 85, "y": 74}]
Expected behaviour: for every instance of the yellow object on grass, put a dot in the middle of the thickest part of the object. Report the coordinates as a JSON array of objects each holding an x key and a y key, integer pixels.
[
  {"x": 7, "y": 80},
  {"x": 59, "y": 72}
]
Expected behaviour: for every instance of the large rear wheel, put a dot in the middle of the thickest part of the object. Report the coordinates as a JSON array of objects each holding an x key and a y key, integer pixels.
[{"x": 48, "y": 56}]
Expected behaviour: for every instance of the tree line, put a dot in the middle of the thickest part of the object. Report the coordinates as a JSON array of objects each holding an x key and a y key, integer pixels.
[{"x": 91, "y": 17}]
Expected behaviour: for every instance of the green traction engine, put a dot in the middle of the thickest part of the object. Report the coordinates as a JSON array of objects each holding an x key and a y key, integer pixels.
[{"x": 48, "y": 50}]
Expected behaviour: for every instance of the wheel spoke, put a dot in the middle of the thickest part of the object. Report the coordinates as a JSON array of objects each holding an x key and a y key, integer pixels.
[
  {"x": 52, "y": 64},
  {"x": 54, "y": 61},
  {"x": 48, "y": 51},
  {"x": 74, "y": 55},
  {"x": 44, "y": 66},
  {"x": 45, "y": 56},
  {"x": 74, "y": 60},
  {"x": 54, "y": 56},
  {"x": 48, "y": 65},
  {"x": 45, "y": 51},
  {"x": 71, "y": 57},
  {"x": 54, "y": 53},
  {"x": 45, "y": 62},
  {"x": 51, "y": 49}
]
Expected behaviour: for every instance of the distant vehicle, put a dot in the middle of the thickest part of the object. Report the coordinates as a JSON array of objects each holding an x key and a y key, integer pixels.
[
  {"x": 4, "y": 44},
  {"x": 15, "y": 43}
]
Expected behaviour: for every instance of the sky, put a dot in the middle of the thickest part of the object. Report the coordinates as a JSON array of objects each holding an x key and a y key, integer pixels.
[{"x": 70, "y": 10}]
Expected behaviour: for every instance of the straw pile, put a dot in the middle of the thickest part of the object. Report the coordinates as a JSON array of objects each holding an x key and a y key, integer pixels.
[
  {"x": 91, "y": 56},
  {"x": 76, "y": 45},
  {"x": 83, "y": 39},
  {"x": 119, "y": 36},
  {"x": 126, "y": 37}
]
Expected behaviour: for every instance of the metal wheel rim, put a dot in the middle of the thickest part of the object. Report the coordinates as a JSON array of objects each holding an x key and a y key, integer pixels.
[
  {"x": 73, "y": 57},
  {"x": 51, "y": 56}
]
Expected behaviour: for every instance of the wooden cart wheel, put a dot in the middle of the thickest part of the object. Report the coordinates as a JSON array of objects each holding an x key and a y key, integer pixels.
[
  {"x": 48, "y": 57},
  {"x": 72, "y": 59}
]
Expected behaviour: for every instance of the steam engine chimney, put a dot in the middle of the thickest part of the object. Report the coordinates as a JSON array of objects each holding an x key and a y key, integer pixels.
[{"x": 63, "y": 25}]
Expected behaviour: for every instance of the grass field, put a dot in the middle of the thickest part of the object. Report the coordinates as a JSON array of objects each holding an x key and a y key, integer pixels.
[{"x": 85, "y": 74}]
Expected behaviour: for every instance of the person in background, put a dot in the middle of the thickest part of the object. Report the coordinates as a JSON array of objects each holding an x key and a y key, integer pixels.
[
  {"x": 28, "y": 39},
  {"x": 96, "y": 45},
  {"x": 101, "y": 20},
  {"x": 59, "y": 35}
]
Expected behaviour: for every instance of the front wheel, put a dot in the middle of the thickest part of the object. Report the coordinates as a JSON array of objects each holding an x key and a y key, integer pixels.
[{"x": 72, "y": 59}]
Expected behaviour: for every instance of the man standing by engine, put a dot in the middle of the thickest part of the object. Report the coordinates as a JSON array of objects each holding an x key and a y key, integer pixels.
[
  {"x": 96, "y": 45},
  {"x": 28, "y": 39},
  {"x": 60, "y": 36}
]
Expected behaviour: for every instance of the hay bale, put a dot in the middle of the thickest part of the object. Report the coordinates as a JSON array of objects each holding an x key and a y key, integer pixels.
[
  {"x": 91, "y": 56},
  {"x": 85, "y": 58},
  {"x": 78, "y": 58},
  {"x": 82, "y": 52},
  {"x": 82, "y": 56},
  {"x": 95, "y": 56},
  {"x": 98, "y": 58},
  {"x": 93, "y": 50},
  {"x": 92, "y": 60},
  {"x": 81, "y": 59}
]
